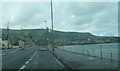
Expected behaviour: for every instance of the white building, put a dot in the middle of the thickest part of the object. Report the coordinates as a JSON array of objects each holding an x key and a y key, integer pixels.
[
  {"x": 4, "y": 44},
  {"x": 21, "y": 44}
]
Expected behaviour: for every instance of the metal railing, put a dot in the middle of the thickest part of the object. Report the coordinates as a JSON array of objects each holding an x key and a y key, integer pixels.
[{"x": 94, "y": 53}]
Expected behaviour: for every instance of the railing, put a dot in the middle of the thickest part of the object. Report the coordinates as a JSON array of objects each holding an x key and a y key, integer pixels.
[{"x": 93, "y": 53}]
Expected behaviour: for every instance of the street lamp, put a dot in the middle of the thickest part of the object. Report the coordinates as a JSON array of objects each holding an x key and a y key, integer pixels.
[
  {"x": 46, "y": 33},
  {"x": 8, "y": 35},
  {"x": 51, "y": 15},
  {"x": 52, "y": 24}
]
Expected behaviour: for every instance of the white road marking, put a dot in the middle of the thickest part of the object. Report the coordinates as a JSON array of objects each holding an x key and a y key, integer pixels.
[
  {"x": 2, "y": 54},
  {"x": 57, "y": 60},
  {"x": 13, "y": 51},
  {"x": 31, "y": 56},
  {"x": 59, "y": 63},
  {"x": 91, "y": 58},
  {"x": 29, "y": 59},
  {"x": 34, "y": 54},
  {"x": 27, "y": 62},
  {"x": 23, "y": 67}
]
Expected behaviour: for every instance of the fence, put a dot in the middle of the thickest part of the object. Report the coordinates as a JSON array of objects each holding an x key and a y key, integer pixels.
[{"x": 94, "y": 53}]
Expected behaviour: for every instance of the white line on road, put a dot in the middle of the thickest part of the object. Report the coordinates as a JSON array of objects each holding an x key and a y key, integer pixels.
[
  {"x": 13, "y": 51},
  {"x": 23, "y": 67},
  {"x": 2, "y": 54},
  {"x": 59, "y": 63},
  {"x": 91, "y": 58},
  {"x": 27, "y": 62},
  {"x": 57, "y": 60},
  {"x": 34, "y": 54},
  {"x": 29, "y": 59}
]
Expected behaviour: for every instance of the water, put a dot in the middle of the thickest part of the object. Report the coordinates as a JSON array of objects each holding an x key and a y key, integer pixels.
[{"x": 95, "y": 50}]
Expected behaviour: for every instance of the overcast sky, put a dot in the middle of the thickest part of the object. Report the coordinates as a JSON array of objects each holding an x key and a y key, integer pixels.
[{"x": 98, "y": 18}]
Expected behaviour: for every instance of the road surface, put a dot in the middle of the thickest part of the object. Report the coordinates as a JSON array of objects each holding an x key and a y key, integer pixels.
[
  {"x": 41, "y": 57},
  {"x": 30, "y": 58}
]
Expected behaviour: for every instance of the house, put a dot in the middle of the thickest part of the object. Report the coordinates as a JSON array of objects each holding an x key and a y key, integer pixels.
[{"x": 4, "y": 44}]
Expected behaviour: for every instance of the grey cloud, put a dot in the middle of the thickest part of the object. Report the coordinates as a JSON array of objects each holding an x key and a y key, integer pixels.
[{"x": 96, "y": 17}]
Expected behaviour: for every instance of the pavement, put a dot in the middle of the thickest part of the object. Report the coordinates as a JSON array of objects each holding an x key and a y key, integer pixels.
[{"x": 80, "y": 61}]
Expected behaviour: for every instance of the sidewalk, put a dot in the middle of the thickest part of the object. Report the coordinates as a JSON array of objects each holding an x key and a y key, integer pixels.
[{"x": 79, "y": 61}]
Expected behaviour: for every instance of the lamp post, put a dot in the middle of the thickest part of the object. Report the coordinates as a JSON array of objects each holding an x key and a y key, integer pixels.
[
  {"x": 51, "y": 15},
  {"x": 52, "y": 24},
  {"x": 46, "y": 33},
  {"x": 8, "y": 35}
]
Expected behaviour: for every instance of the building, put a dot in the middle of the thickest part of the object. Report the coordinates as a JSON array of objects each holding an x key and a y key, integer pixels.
[
  {"x": 4, "y": 44},
  {"x": 21, "y": 43}
]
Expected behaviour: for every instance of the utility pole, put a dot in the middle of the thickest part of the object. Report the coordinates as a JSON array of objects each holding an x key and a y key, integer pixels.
[
  {"x": 21, "y": 34},
  {"x": 52, "y": 15},
  {"x": 8, "y": 35},
  {"x": 52, "y": 25},
  {"x": 46, "y": 33},
  {"x": 21, "y": 42}
]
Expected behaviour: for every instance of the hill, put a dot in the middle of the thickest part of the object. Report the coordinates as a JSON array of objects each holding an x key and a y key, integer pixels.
[{"x": 60, "y": 38}]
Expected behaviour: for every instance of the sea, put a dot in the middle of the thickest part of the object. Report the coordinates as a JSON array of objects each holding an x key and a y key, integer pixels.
[{"x": 106, "y": 50}]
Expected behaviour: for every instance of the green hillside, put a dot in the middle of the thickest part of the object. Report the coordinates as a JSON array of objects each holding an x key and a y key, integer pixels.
[{"x": 59, "y": 37}]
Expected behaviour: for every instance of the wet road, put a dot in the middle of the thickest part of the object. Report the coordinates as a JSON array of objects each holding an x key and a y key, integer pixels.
[
  {"x": 30, "y": 58},
  {"x": 40, "y": 58}
]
